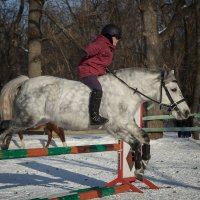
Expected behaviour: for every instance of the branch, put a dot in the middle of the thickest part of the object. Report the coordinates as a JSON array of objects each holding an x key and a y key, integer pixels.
[
  {"x": 64, "y": 31},
  {"x": 178, "y": 16},
  {"x": 20, "y": 12},
  {"x": 70, "y": 10},
  {"x": 63, "y": 54}
]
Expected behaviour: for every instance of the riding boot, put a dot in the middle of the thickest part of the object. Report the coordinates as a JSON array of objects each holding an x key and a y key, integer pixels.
[{"x": 95, "y": 101}]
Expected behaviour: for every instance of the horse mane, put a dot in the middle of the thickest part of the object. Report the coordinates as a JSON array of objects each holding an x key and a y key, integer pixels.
[
  {"x": 7, "y": 97},
  {"x": 168, "y": 74}
]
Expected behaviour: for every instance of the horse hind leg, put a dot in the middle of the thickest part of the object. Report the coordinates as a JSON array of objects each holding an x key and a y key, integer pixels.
[
  {"x": 4, "y": 124},
  {"x": 5, "y": 134},
  {"x": 5, "y": 138},
  {"x": 7, "y": 129}
]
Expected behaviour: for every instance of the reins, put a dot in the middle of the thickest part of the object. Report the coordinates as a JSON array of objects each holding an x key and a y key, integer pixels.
[
  {"x": 134, "y": 89},
  {"x": 162, "y": 85}
]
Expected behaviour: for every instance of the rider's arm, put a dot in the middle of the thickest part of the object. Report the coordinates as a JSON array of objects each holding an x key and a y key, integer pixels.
[{"x": 92, "y": 49}]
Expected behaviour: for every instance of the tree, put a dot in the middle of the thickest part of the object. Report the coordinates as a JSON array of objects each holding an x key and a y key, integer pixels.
[
  {"x": 35, "y": 36},
  {"x": 12, "y": 55},
  {"x": 196, "y": 96},
  {"x": 155, "y": 39}
]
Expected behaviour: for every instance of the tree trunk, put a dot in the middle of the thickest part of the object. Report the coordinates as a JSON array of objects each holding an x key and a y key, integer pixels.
[
  {"x": 34, "y": 37},
  {"x": 153, "y": 44},
  {"x": 153, "y": 55},
  {"x": 196, "y": 96},
  {"x": 155, "y": 41}
]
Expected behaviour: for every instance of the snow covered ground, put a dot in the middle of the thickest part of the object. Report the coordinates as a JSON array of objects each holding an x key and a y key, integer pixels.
[{"x": 174, "y": 168}]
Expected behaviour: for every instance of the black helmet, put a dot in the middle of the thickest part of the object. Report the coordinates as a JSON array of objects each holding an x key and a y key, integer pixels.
[{"x": 112, "y": 30}]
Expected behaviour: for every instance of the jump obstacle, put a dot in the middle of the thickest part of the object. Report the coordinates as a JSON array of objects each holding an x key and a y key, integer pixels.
[
  {"x": 122, "y": 183},
  {"x": 125, "y": 173}
]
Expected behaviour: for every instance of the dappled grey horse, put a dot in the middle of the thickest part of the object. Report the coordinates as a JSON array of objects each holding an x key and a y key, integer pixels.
[{"x": 64, "y": 102}]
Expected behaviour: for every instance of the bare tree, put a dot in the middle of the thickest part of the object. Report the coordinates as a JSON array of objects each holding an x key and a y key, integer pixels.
[
  {"x": 196, "y": 95},
  {"x": 35, "y": 36},
  {"x": 12, "y": 56},
  {"x": 155, "y": 39}
]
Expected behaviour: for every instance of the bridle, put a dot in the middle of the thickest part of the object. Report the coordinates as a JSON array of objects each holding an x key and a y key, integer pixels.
[
  {"x": 170, "y": 108},
  {"x": 174, "y": 105}
]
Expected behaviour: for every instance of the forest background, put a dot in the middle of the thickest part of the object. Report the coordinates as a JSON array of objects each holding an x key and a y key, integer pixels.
[{"x": 45, "y": 37}]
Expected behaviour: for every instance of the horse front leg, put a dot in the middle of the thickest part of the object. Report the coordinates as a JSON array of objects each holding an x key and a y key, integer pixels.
[
  {"x": 48, "y": 131},
  {"x": 7, "y": 129},
  {"x": 141, "y": 151},
  {"x": 139, "y": 141},
  {"x": 141, "y": 158},
  {"x": 138, "y": 133},
  {"x": 61, "y": 135},
  {"x": 137, "y": 158},
  {"x": 136, "y": 151},
  {"x": 146, "y": 154}
]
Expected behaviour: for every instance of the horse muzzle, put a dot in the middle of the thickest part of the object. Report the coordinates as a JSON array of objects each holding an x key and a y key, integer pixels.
[{"x": 174, "y": 108}]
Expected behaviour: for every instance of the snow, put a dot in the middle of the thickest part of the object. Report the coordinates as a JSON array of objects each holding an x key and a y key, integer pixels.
[{"x": 174, "y": 168}]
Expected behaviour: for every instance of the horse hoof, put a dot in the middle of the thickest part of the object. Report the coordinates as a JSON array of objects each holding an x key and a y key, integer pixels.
[
  {"x": 139, "y": 173},
  {"x": 138, "y": 176}
]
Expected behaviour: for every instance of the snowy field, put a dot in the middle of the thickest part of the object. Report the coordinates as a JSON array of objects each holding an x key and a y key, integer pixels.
[{"x": 174, "y": 168}]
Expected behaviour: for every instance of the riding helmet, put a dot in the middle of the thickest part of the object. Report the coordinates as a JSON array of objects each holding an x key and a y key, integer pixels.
[{"x": 111, "y": 30}]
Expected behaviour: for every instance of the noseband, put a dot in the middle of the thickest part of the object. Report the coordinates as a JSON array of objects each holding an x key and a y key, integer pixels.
[{"x": 170, "y": 108}]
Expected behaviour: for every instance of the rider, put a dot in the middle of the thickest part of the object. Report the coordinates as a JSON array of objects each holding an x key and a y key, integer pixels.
[{"x": 99, "y": 54}]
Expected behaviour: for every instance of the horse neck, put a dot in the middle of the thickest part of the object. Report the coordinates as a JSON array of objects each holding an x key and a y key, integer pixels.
[{"x": 146, "y": 82}]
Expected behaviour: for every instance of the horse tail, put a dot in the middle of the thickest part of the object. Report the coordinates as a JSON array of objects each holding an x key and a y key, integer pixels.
[{"x": 7, "y": 96}]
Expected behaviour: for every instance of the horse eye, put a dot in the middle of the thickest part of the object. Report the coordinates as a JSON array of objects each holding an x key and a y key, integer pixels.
[{"x": 174, "y": 90}]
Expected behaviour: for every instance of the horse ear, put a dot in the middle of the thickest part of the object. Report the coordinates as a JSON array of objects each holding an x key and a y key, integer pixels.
[{"x": 166, "y": 70}]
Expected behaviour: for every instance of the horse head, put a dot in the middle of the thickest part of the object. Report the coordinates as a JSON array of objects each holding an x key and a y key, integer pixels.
[{"x": 171, "y": 96}]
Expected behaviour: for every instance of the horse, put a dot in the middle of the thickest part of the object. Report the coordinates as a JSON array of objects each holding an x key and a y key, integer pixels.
[
  {"x": 6, "y": 113},
  {"x": 48, "y": 129},
  {"x": 65, "y": 102}
]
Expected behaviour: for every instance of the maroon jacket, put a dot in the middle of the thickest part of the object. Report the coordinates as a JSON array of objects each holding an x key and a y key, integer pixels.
[{"x": 100, "y": 54}]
